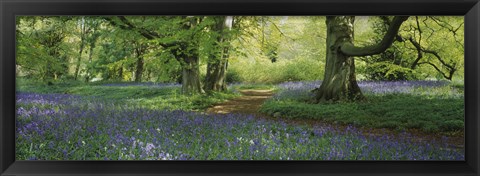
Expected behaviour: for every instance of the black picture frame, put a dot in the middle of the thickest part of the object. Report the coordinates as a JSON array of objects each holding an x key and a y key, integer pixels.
[{"x": 11, "y": 8}]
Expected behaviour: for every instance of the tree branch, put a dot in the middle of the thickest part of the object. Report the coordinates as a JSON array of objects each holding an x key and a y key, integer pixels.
[
  {"x": 439, "y": 58},
  {"x": 127, "y": 25},
  {"x": 147, "y": 34},
  {"x": 419, "y": 53},
  {"x": 281, "y": 33},
  {"x": 450, "y": 68},
  {"x": 350, "y": 50},
  {"x": 449, "y": 77}
]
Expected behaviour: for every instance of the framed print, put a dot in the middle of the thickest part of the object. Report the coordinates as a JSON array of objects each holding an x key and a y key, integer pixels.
[{"x": 239, "y": 87}]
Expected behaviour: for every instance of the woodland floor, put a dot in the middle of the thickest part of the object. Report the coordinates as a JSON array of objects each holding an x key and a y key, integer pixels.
[
  {"x": 252, "y": 100},
  {"x": 249, "y": 103}
]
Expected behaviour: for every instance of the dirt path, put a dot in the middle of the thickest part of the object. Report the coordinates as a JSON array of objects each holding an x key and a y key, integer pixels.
[{"x": 249, "y": 103}]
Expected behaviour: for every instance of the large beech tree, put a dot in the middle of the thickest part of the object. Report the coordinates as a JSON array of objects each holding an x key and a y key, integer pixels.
[
  {"x": 215, "y": 79},
  {"x": 340, "y": 82},
  {"x": 180, "y": 39},
  {"x": 186, "y": 52}
]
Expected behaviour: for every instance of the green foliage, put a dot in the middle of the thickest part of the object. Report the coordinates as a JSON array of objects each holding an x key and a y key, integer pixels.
[
  {"x": 434, "y": 114},
  {"x": 384, "y": 70},
  {"x": 233, "y": 77},
  {"x": 96, "y": 129},
  {"x": 296, "y": 44},
  {"x": 253, "y": 86},
  {"x": 42, "y": 52},
  {"x": 280, "y": 71},
  {"x": 48, "y": 48},
  {"x": 389, "y": 65},
  {"x": 426, "y": 47},
  {"x": 138, "y": 96},
  {"x": 261, "y": 51}
]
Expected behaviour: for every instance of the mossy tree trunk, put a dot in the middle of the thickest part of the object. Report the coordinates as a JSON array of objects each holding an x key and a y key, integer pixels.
[
  {"x": 215, "y": 79},
  {"x": 340, "y": 82},
  {"x": 139, "y": 52},
  {"x": 191, "y": 83},
  {"x": 190, "y": 60}
]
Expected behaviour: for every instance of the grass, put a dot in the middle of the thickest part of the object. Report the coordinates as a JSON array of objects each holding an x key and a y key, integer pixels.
[
  {"x": 67, "y": 127},
  {"x": 394, "y": 111},
  {"x": 254, "y": 86},
  {"x": 429, "y": 109},
  {"x": 143, "y": 95},
  {"x": 118, "y": 121}
]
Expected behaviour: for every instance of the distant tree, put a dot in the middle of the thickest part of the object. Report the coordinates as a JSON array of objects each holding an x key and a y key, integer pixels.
[
  {"x": 111, "y": 61},
  {"x": 87, "y": 30},
  {"x": 91, "y": 40},
  {"x": 83, "y": 32},
  {"x": 42, "y": 52}
]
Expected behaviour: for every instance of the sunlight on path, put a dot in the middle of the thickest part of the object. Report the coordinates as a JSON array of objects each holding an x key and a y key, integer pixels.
[{"x": 249, "y": 103}]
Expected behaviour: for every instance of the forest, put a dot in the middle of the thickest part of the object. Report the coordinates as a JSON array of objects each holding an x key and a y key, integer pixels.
[{"x": 240, "y": 88}]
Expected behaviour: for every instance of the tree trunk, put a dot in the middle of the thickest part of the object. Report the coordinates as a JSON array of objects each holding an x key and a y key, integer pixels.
[
  {"x": 149, "y": 74},
  {"x": 50, "y": 72},
  {"x": 216, "y": 74},
  {"x": 90, "y": 55},
  {"x": 190, "y": 61},
  {"x": 139, "y": 69},
  {"x": 339, "y": 82},
  {"x": 215, "y": 79},
  {"x": 82, "y": 45},
  {"x": 120, "y": 72},
  {"x": 77, "y": 67},
  {"x": 191, "y": 76}
]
